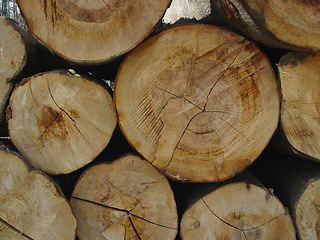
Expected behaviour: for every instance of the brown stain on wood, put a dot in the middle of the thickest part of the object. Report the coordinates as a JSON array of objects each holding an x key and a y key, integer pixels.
[
  {"x": 13, "y": 64},
  {"x": 248, "y": 71},
  {"x": 313, "y": 3},
  {"x": 74, "y": 113},
  {"x": 293, "y": 59},
  {"x": 52, "y": 123}
]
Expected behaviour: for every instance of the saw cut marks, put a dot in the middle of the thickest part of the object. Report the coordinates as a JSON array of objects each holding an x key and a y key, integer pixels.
[{"x": 196, "y": 107}]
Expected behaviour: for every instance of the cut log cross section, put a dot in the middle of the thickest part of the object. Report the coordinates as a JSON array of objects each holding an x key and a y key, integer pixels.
[
  {"x": 237, "y": 211},
  {"x": 200, "y": 108},
  {"x": 32, "y": 207},
  {"x": 92, "y": 31},
  {"x": 300, "y": 110},
  {"x": 277, "y": 23},
  {"x": 126, "y": 199},
  {"x": 60, "y": 122},
  {"x": 12, "y": 60}
]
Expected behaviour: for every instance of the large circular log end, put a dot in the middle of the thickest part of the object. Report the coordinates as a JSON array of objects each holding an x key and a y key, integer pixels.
[{"x": 196, "y": 107}]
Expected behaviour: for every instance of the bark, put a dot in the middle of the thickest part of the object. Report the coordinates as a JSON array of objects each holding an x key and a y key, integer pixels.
[
  {"x": 60, "y": 122},
  {"x": 32, "y": 207},
  {"x": 92, "y": 32},
  {"x": 185, "y": 10},
  {"x": 125, "y": 199},
  {"x": 282, "y": 24},
  {"x": 236, "y": 210},
  {"x": 200, "y": 108},
  {"x": 10, "y": 9},
  {"x": 299, "y": 75},
  {"x": 297, "y": 183}
]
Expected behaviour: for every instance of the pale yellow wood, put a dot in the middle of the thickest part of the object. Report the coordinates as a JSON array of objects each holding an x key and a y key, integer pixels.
[
  {"x": 116, "y": 231},
  {"x": 31, "y": 205},
  {"x": 95, "y": 31},
  {"x": 201, "y": 107},
  {"x": 60, "y": 122},
  {"x": 307, "y": 212},
  {"x": 299, "y": 77},
  {"x": 12, "y": 51},
  {"x": 286, "y": 24},
  {"x": 237, "y": 211},
  {"x": 12, "y": 60},
  {"x": 125, "y": 199}
]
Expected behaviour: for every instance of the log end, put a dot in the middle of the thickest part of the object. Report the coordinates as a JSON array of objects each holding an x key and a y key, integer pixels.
[{"x": 237, "y": 211}]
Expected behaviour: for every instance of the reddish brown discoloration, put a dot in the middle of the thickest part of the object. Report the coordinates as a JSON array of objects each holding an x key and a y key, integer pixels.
[{"x": 52, "y": 123}]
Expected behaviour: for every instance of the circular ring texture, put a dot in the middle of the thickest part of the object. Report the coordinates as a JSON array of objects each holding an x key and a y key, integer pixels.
[
  {"x": 93, "y": 31},
  {"x": 199, "y": 102}
]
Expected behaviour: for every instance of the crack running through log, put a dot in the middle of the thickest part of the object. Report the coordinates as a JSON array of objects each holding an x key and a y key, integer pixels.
[
  {"x": 74, "y": 122},
  {"x": 134, "y": 228},
  {"x": 45, "y": 130},
  {"x": 15, "y": 229},
  {"x": 204, "y": 108},
  {"x": 128, "y": 212},
  {"x": 242, "y": 230}
]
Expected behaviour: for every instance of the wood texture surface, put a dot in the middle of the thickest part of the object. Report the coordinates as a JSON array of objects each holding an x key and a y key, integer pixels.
[
  {"x": 282, "y": 24},
  {"x": 12, "y": 60},
  {"x": 201, "y": 107},
  {"x": 299, "y": 78},
  {"x": 32, "y": 208},
  {"x": 237, "y": 211},
  {"x": 60, "y": 122},
  {"x": 125, "y": 199},
  {"x": 91, "y": 32}
]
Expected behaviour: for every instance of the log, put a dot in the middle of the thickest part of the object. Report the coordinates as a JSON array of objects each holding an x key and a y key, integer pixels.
[
  {"x": 297, "y": 184},
  {"x": 281, "y": 24},
  {"x": 12, "y": 60},
  {"x": 125, "y": 199},
  {"x": 201, "y": 108},
  {"x": 299, "y": 80},
  {"x": 92, "y": 32},
  {"x": 236, "y": 209},
  {"x": 32, "y": 207},
  {"x": 60, "y": 122}
]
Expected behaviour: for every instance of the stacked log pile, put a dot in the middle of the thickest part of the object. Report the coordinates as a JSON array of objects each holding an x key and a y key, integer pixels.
[{"x": 116, "y": 124}]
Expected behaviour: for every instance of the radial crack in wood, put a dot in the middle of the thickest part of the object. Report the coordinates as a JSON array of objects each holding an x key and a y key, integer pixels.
[
  {"x": 237, "y": 211},
  {"x": 196, "y": 107},
  {"x": 126, "y": 198},
  {"x": 60, "y": 122},
  {"x": 298, "y": 189},
  {"x": 19, "y": 233}
]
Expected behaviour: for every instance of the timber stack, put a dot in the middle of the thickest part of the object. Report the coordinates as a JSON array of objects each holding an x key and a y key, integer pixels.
[{"x": 160, "y": 120}]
